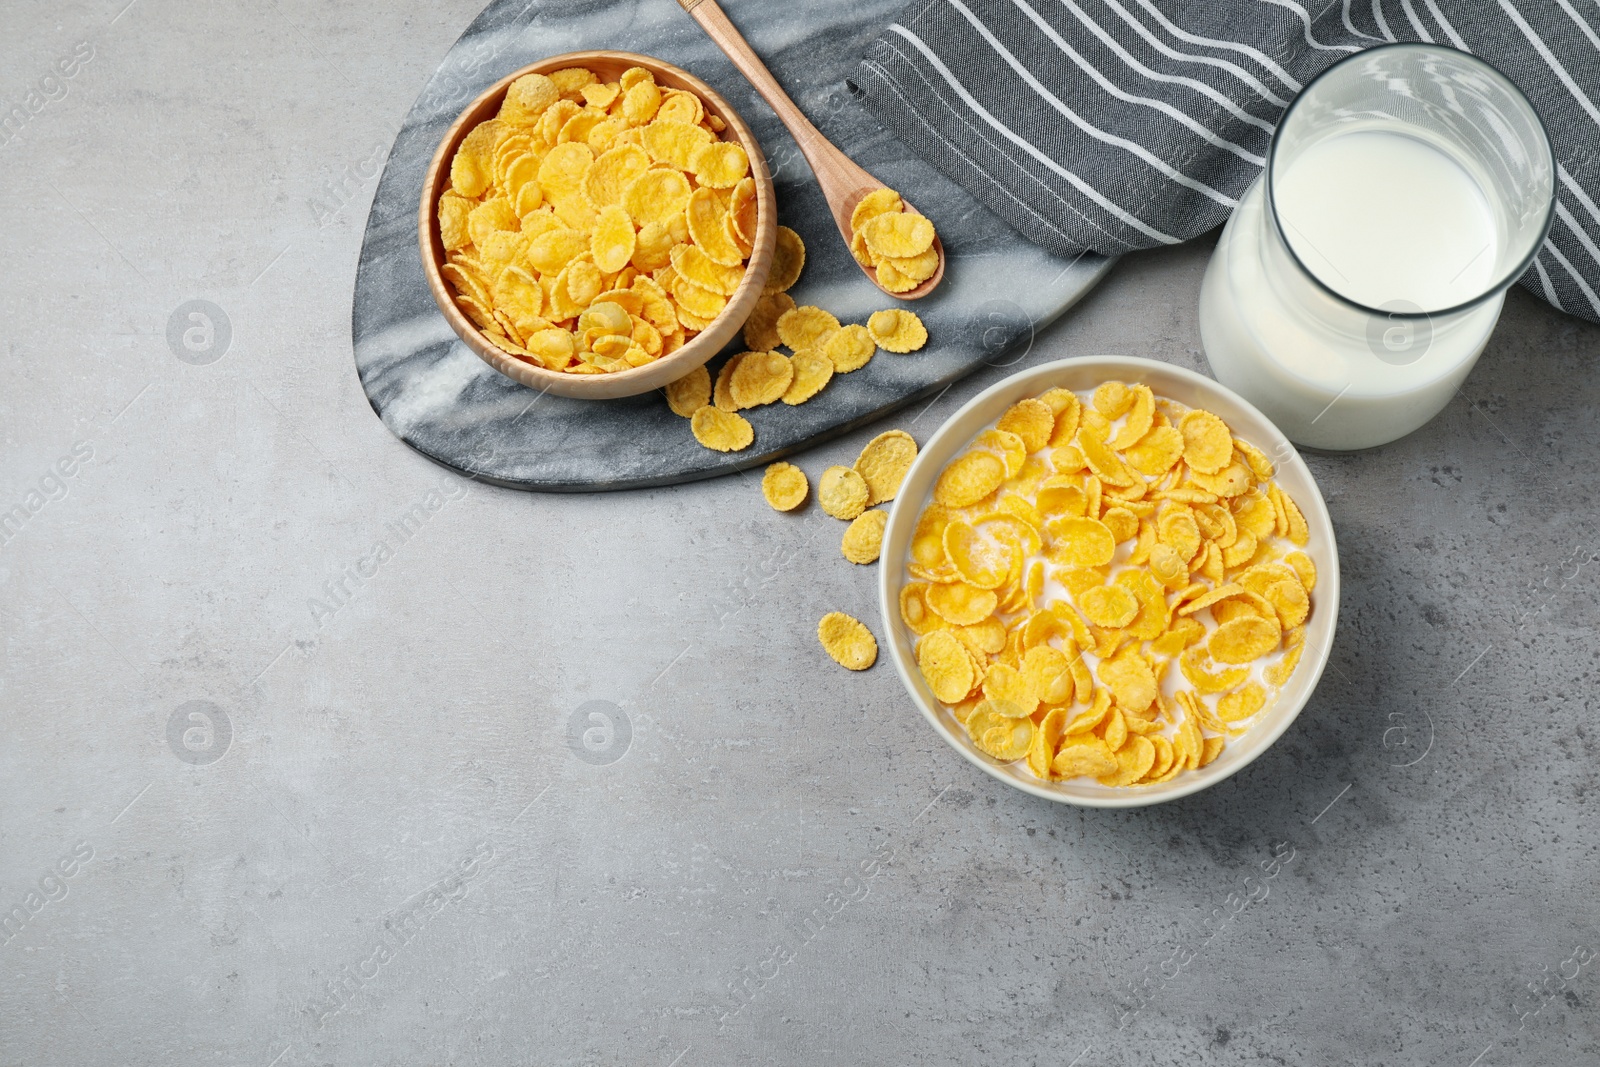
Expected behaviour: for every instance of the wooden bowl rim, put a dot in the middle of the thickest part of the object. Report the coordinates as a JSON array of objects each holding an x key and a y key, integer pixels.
[{"x": 695, "y": 353}]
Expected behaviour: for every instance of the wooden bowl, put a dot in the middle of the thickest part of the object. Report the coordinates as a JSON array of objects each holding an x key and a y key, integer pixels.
[{"x": 608, "y": 66}]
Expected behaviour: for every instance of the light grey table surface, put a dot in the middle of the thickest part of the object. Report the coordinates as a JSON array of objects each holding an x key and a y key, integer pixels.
[{"x": 401, "y": 858}]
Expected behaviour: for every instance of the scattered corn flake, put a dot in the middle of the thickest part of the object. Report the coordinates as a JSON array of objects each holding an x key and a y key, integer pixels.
[
  {"x": 722, "y": 431},
  {"x": 897, "y": 330},
  {"x": 784, "y": 485},
  {"x": 863, "y": 538},
  {"x": 722, "y": 393},
  {"x": 805, "y": 327},
  {"x": 849, "y": 348},
  {"x": 884, "y": 462},
  {"x": 760, "y": 378},
  {"x": 689, "y": 394},
  {"x": 842, "y": 492},
  {"x": 848, "y": 641},
  {"x": 811, "y": 373}
]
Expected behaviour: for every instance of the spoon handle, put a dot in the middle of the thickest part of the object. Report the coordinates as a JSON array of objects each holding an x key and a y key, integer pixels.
[{"x": 841, "y": 179}]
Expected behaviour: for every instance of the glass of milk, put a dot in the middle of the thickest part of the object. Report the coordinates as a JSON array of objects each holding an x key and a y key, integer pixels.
[{"x": 1406, "y": 188}]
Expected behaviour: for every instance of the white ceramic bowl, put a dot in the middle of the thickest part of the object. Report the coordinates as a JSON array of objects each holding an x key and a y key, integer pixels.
[{"x": 1186, "y": 387}]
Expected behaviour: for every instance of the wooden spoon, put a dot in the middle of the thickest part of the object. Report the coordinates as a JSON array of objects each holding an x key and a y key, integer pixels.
[{"x": 843, "y": 183}]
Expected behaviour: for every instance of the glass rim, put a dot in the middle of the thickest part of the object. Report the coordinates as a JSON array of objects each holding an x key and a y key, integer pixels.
[{"x": 1501, "y": 283}]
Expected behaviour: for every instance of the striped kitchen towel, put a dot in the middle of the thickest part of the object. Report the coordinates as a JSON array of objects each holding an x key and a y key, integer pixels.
[{"x": 1113, "y": 125}]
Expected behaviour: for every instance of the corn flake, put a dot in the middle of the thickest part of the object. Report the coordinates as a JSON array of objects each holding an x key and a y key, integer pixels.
[
  {"x": 848, "y": 641},
  {"x": 1108, "y": 605},
  {"x": 719, "y": 164},
  {"x": 1081, "y": 542},
  {"x": 898, "y": 234},
  {"x": 811, "y": 373},
  {"x": 1241, "y": 703},
  {"x": 761, "y": 328},
  {"x": 689, "y": 393},
  {"x": 884, "y": 462},
  {"x": 1008, "y": 741},
  {"x": 863, "y": 538},
  {"x": 1083, "y": 755},
  {"x": 849, "y": 348},
  {"x": 970, "y": 478},
  {"x": 784, "y": 485},
  {"x": 897, "y": 330},
  {"x": 805, "y": 327},
  {"x": 842, "y": 492},
  {"x": 945, "y": 665},
  {"x": 722, "y": 431},
  {"x": 760, "y": 378},
  {"x": 1207, "y": 444},
  {"x": 914, "y": 610},
  {"x": 960, "y": 603},
  {"x": 875, "y": 203},
  {"x": 1031, "y": 420},
  {"x": 1244, "y": 639},
  {"x": 788, "y": 258}
]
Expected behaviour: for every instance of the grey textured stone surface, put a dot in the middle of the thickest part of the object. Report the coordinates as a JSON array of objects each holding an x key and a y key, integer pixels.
[
  {"x": 784, "y": 865},
  {"x": 435, "y": 394}
]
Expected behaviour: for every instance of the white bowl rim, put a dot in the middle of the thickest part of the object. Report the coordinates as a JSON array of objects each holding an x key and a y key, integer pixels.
[{"x": 1114, "y": 367}]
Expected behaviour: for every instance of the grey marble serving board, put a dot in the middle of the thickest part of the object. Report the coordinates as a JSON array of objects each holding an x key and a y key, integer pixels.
[{"x": 433, "y": 393}]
